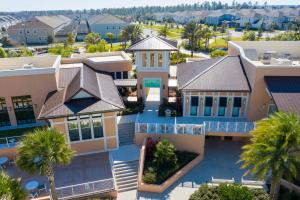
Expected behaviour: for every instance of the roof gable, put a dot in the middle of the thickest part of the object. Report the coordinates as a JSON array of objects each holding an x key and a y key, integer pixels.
[
  {"x": 106, "y": 19},
  {"x": 152, "y": 43},
  {"x": 225, "y": 74}
]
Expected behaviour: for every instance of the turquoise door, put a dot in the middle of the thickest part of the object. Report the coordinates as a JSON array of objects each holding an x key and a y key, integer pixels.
[{"x": 152, "y": 83}]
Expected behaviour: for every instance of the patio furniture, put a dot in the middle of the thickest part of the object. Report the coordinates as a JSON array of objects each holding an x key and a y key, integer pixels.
[
  {"x": 42, "y": 187},
  {"x": 31, "y": 185},
  {"x": 3, "y": 161}
]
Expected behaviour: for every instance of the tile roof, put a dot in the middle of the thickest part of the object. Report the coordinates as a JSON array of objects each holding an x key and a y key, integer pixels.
[
  {"x": 152, "y": 43},
  {"x": 105, "y": 96},
  {"x": 106, "y": 19},
  {"x": 218, "y": 74},
  {"x": 285, "y": 91}
]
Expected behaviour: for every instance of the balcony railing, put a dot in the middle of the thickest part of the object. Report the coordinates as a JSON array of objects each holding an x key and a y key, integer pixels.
[
  {"x": 160, "y": 128},
  {"x": 85, "y": 189},
  {"x": 234, "y": 127},
  {"x": 9, "y": 142}
]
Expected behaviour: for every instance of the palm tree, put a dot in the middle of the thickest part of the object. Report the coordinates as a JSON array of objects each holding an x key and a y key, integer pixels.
[
  {"x": 133, "y": 32},
  {"x": 207, "y": 34},
  {"x": 92, "y": 38},
  {"x": 111, "y": 37},
  {"x": 40, "y": 151},
  {"x": 274, "y": 149},
  {"x": 164, "y": 31},
  {"x": 11, "y": 189},
  {"x": 192, "y": 32}
]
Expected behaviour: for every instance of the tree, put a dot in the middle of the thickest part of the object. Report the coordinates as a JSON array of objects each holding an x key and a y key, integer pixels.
[
  {"x": 5, "y": 41},
  {"x": 164, "y": 31},
  {"x": 274, "y": 149},
  {"x": 249, "y": 36},
  {"x": 164, "y": 155},
  {"x": 92, "y": 38},
  {"x": 50, "y": 39},
  {"x": 111, "y": 37},
  {"x": 207, "y": 34},
  {"x": 11, "y": 189},
  {"x": 192, "y": 32},
  {"x": 133, "y": 33},
  {"x": 2, "y": 53},
  {"x": 40, "y": 151},
  {"x": 70, "y": 39}
]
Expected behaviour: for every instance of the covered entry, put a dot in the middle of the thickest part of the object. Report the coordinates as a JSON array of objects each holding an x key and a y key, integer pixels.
[{"x": 152, "y": 89}]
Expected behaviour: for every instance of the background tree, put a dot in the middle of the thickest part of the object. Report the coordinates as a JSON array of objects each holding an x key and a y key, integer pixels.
[
  {"x": 2, "y": 53},
  {"x": 5, "y": 41},
  {"x": 40, "y": 151},
  {"x": 164, "y": 31},
  {"x": 192, "y": 32},
  {"x": 249, "y": 36},
  {"x": 111, "y": 37},
  {"x": 92, "y": 38},
  {"x": 11, "y": 189},
  {"x": 133, "y": 33},
  {"x": 70, "y": 39},
  {"x": 50, "y": 39},
  {"x": 274, "y": 148},
  {"x": 207, "y": 34}
]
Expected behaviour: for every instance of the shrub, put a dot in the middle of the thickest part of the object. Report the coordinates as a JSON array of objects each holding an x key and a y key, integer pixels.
[
  {"x": 217, "y": 53},
  {"x": 249, "y": 36},
  {"x": 165, "y": 156},
  {"x": 150, "y": 176},
  {"x": 234, "y": 192},
  {"x": 205, "y": 193}
]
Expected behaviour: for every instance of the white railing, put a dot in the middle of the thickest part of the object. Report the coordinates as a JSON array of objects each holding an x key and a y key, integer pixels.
[
  {"x": 236, "y": 127},
  {"x": 9, "y": 142},
  {"x": 165, "y": 128},
  {"x": 85, "y": 189}
]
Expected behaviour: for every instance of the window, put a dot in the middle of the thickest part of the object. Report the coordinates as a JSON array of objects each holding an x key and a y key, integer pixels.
[
  {"x": 21, "y": 32},
  {"x": 145, "y": 59},
  {"x": 118, "y": 75},
  {"x": 237, "y": 104},
  {"x": 125, "y": 75},
  {"x": 112, "y": 75},
  {"x": 194, "y": 105},
  {"x": 208, "y": 106},
  {"x": 97, "y": 126},
  {"x": 23, "y": 109},
  {"x": 160, "y": 60},
  {"x": 151, "y": 59},
  {"x": 4, "y": 117},
  {"x": 222, "y": 106},
  {"x": 73, "y": 129},
  {"x": 107, "y": 27},
  {"x": 85, "y": 126}
]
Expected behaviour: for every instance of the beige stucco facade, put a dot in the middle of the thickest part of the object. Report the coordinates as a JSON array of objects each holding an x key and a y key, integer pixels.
[{"x": 109, "y": 141}]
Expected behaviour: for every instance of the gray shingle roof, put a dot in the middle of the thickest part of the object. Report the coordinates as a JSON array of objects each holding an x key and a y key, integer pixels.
[
  {"x": 106, "y": 19},
  {"x": 285, "y": 91},
  {"x": 219, "y": 74},
  {"x": 100, "y": 86},
  {"x": 152, "y": 43}
]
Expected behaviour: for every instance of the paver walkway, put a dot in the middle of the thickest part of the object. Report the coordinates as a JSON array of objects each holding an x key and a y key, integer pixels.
[{"x": 220, "y": 161}]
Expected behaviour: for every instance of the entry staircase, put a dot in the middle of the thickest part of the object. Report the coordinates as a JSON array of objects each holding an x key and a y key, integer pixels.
[
  {"x": 126, "y": 133},
  {"x": 126, "y": 175}
]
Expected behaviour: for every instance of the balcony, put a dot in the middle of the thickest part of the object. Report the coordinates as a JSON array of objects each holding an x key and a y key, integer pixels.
[{"x": 164, "y": 128}]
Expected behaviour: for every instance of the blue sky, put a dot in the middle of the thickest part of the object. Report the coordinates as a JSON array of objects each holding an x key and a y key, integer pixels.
[{"x": 17, "y": 5}]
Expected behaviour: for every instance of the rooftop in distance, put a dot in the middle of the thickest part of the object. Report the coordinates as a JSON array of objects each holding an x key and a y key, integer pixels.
[
  {"x": 104, "y": 57},
  {"x": 270, "y": 53}
]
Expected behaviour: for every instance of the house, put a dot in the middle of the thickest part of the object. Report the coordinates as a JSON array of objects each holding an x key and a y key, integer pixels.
[
  {"x": 38, "y": 29},
  {"x": 104, "y": 24},
  {"x": 216, "y": 18},
  {"x": 220, "y": 98}
]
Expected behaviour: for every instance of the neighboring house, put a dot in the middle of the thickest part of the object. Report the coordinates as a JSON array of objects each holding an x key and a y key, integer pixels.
[
  {"x": 82, "y": 30},
  {"x": 7, "y": 21},
  {"x": 217, "y": 18},
  {"x": 104, "y": 24},
  {"x": 37, "y": 30}
]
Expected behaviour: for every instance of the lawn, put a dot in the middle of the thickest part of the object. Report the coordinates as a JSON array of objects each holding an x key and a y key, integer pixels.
[
  {"x": 218, "y": 43},
  {"x": 174, "y": 33}
]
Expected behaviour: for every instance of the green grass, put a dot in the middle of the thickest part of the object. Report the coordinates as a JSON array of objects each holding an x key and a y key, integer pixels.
[
  {"x": 218, "y": 43},
  {"x": 174, "y": 33}
]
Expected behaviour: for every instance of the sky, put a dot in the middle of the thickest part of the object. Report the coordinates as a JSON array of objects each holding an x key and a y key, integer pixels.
[{"x": 20, "y": 5}]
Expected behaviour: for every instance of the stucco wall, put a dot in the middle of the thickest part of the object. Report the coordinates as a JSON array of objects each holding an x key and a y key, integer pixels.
[
  {"x": 182, "y": 142},
  {"x": 37, "y": 86},
  {"x": 32, "y": 36}
]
